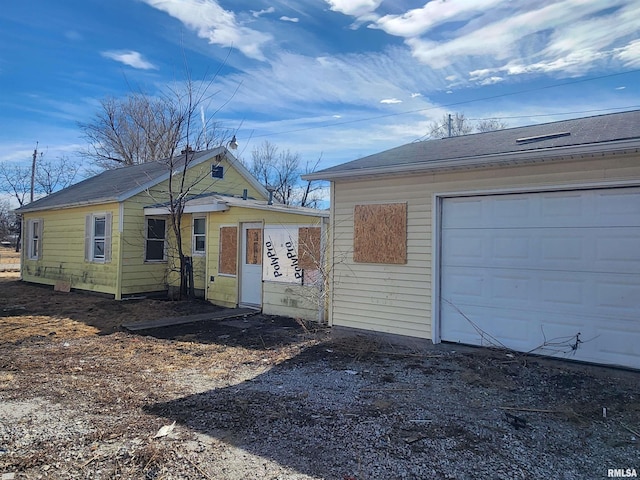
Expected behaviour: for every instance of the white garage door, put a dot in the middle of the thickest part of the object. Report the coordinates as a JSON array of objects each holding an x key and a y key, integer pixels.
[{"x": 537, "y": 271}]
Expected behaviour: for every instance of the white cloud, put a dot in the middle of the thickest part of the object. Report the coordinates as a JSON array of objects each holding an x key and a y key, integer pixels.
[
  {"x": 414, "y": 95},
  {"x": 620, "y": 88},
  {"x": 491, "y": 80},
  {"x": 130, "y": 57},
  {"x": 289, "y": 19},
  {"x": 518, "y": 37},
  {"x": 259, "y": 13},
  {"x": 630, "y": 54},
  {"x": 354, "y": 8},
  {"x": 215, "y": 24},
  {"x": 390, "y": 101},
  {"x": 418, "y": 21}
]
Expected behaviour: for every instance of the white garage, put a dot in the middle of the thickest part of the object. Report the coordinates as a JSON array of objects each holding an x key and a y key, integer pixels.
[{"x": 554, "y": 273}]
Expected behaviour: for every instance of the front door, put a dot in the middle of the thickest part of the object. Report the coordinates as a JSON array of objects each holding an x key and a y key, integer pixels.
[{"x": 251, "y": 265}]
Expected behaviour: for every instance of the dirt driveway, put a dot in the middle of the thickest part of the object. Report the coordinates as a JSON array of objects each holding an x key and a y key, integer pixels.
[{"x": 268, "y": 398}]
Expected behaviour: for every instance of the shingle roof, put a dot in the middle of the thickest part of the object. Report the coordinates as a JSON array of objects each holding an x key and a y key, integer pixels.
[
  {"x": 547, "y": 137},
  {"x": 118, "y": 184}
]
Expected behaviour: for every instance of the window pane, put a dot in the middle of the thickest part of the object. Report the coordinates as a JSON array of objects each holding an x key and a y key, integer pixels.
[
  {"x": 198, "y": 226},
  {"x": 155, "y": 250},
  {"x": 98, "y": 226},
  {"x": 155, "y": 228},
  {"x": 98, "y": 249},
  {"x": 200, "y": 243}
]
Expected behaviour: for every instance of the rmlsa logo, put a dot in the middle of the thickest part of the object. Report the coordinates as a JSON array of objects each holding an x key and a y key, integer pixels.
[{"x": 622, "y": 473}]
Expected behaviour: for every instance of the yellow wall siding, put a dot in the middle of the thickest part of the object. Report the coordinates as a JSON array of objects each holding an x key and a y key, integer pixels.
[
  {"x": 398, "y": 298},
  {"x": 224, "y": 289},
  {"x": 63, "y": 245},
  {"x": 297, "y": 301},
  {"x": 139, "y": 276}
]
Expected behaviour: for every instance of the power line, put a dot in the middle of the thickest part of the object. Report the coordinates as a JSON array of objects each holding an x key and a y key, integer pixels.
[
  {"x": 464, "y": 102},
  {"x": 511, "y": 117}
]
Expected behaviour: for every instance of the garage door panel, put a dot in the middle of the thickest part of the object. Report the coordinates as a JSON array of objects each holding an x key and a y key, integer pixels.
[
  {"x": 618, "y": 296},
  {"x": 465, "y": 284},
  {"x": 616, "y": 207},
  {"x": 530, "y": 268}
]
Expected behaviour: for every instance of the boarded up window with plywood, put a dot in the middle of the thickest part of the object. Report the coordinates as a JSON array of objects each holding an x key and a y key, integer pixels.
[
  {"x": 380, "y": 233},
  {"x": 309, "y": 239},
  {"x": 228, "y": 260},
  {"x": 254, "y": 246}
]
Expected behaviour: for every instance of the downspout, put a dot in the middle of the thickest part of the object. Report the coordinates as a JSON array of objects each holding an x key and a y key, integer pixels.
[
  {"x": 332, "y": 230},
  {"x": 119, "y": 261}
]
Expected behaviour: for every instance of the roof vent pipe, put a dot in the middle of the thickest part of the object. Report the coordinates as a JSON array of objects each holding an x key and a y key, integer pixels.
[{"x": 270, "y": 190}]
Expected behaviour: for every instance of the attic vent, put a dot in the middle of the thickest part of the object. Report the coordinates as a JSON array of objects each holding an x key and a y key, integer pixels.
[
  {"x": 539, "y": 138},
  {"x": 217, "y": 171}
]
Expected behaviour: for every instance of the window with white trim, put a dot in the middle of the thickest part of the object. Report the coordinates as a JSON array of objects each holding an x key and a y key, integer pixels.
[
  {"x": 199, "y": 235},
  {"x": 34, "y": 238},
  {"x": 97, "y": 237},
  {"x": 156, "y": 234}
]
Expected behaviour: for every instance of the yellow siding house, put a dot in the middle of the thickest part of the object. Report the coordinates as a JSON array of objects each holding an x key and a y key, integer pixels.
[{"x": 111, "y": 234}]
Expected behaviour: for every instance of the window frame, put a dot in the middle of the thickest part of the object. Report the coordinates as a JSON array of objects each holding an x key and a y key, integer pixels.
[
  {"x": 91, "y": 238},
  {"x": 157, "y": 240},
  {"x": 195, "y": 236},
  {"x": 97, "y": 238},
  {"x": 35, "y": 241}
]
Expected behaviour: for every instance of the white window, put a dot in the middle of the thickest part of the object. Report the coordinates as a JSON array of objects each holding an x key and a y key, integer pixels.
[
  {"x": 199, "y": 235},
  {"x": 34, "y": 239},
  {"x": 156, "y": 234},
  {"x": 97, "y": 238}
]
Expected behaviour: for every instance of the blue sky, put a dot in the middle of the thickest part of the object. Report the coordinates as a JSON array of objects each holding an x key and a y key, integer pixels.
[{"x": 333, "y": 78}]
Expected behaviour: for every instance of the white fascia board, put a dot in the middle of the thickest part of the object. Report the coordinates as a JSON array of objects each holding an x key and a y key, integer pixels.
[
  {"x": 284, "y": 209},
  {"x": 165, "y": 176},
  {"x": 541, "y": 155},
  {"x": 216, "y": 207}
]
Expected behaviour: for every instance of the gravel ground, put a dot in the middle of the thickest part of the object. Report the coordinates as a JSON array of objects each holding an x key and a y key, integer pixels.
[{"x": 270, "y": 398}]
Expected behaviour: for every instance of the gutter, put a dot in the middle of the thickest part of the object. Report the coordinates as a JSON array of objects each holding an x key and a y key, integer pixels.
[{"x": 478, "y": 161}]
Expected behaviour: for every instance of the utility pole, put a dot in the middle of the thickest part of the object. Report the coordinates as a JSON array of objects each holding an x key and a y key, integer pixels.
[
  {"x": 449, "y": 125},
  {"x": 33, "y": 170}
]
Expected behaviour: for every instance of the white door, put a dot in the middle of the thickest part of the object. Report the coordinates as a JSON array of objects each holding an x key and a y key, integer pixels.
[
  {"x": 251, "y": 265},
  {"x": 555, "y": 273}
]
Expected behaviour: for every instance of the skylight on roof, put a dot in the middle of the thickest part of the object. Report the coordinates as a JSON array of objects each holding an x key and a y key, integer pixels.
[{"x": 539, "y": 138}]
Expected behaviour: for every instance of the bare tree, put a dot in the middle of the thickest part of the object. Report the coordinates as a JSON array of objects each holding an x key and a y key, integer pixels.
[
  {"x": 489, "y": 125},
  {"x": 279, "y": 171},
  {"x": 132, "y": 130},
  {"x": 450, "y": 126},
  {"x": 51, "y": 176},
  {"x": 309, "y": 193},
  {"x": 141, "y": 128},
  {"x": 188, "y": 128},
  {"x": 8, "y": 224},
  {"x": 455, "y": 125},
  {"x": 15, "y": 180}
]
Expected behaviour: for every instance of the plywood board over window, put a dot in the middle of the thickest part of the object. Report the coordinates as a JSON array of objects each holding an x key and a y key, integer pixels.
[
  {"x": 309, "y": 239},
  {"x": 228, "y": 260},
  {"x": 254, "y": 246},
  {"x": 380, "y": 233}
]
